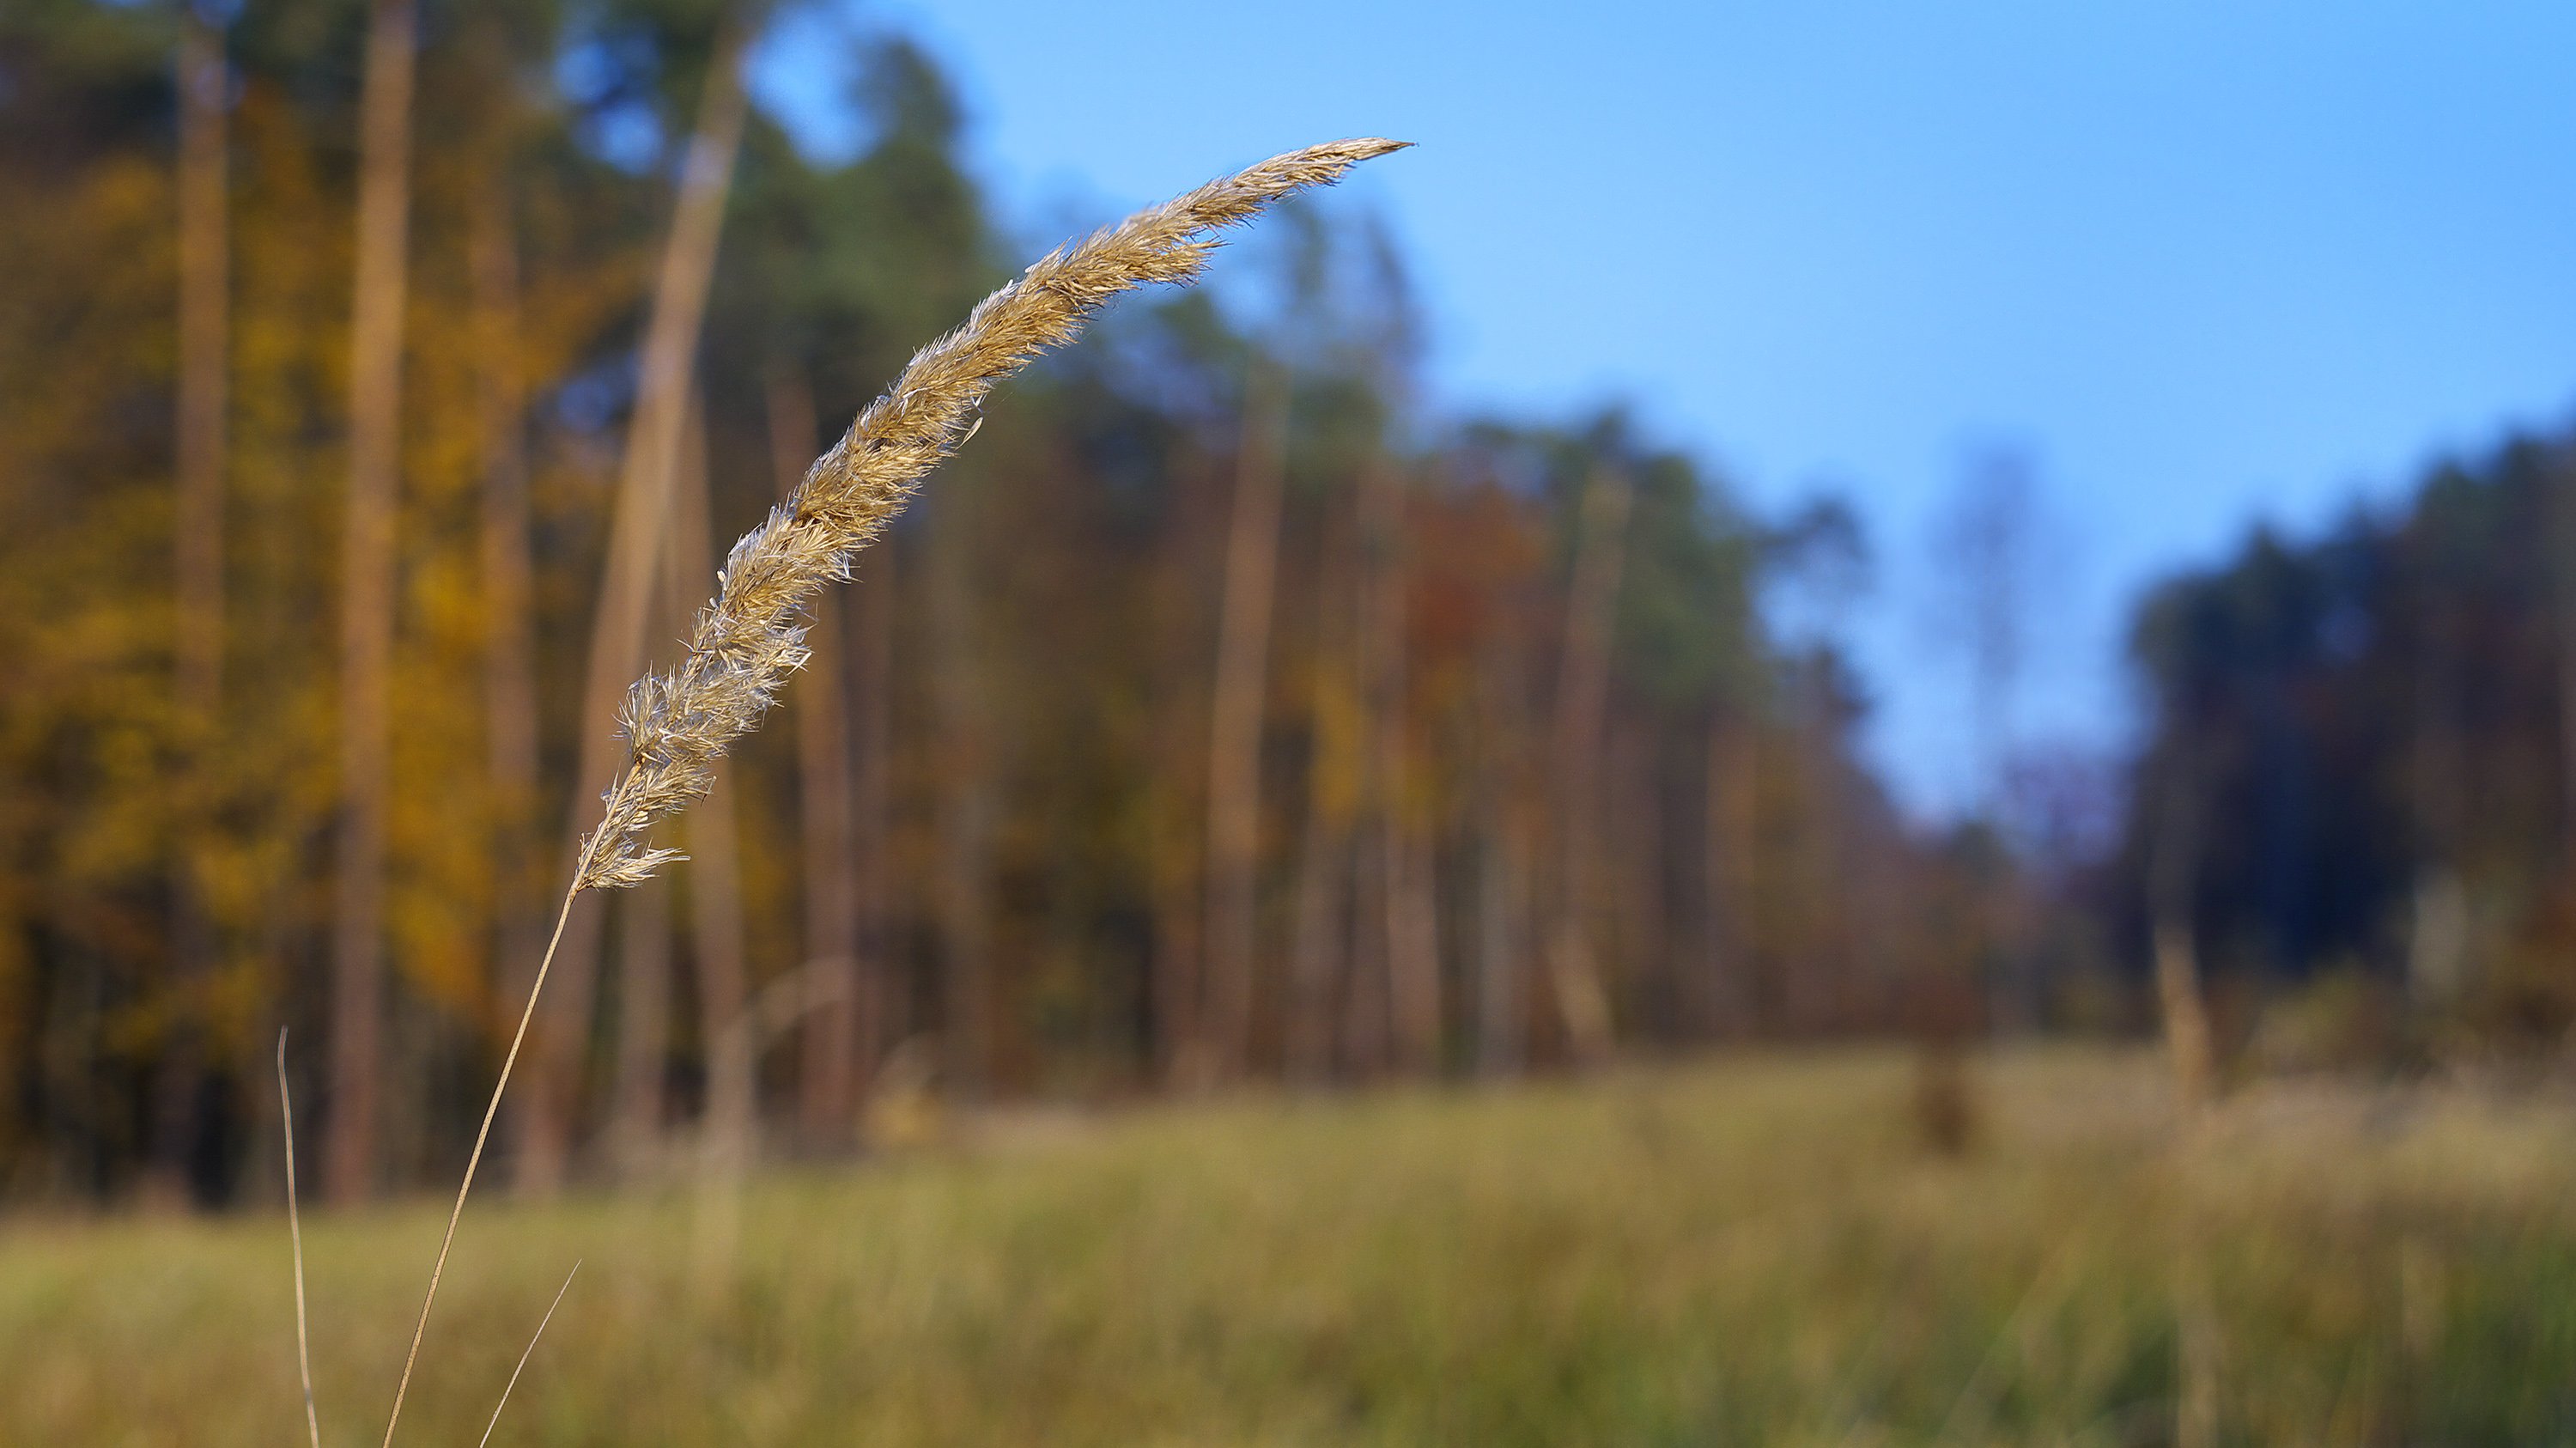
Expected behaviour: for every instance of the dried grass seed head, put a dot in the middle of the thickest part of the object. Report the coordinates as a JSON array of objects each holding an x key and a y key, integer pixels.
[{"x": 751, "y": 637}]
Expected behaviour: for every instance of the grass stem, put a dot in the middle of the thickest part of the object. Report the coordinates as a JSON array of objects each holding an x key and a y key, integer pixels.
[
  {"x": 482, "y": 1134},
  {"x": 295, "y": 1234},
  {"x": 529, "y": 1352}
]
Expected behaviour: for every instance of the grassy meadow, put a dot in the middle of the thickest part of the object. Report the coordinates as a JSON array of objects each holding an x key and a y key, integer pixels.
[{"x": 1753, "y": 1251}]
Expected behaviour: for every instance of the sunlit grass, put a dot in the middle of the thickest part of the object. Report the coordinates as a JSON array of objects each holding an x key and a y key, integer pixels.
[{"x": 1749, "y": 1252}]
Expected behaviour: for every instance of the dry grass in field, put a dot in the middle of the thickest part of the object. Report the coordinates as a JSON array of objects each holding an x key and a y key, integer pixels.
[{"x": 1759, "y": 1251}]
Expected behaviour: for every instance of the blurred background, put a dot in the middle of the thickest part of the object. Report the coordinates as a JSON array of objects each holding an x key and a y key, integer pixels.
[{"x": 1853, "y": 594}]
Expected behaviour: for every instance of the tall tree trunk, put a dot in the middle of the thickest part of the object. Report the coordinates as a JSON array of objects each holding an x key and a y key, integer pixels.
[
  {"x": 1502, "y": 866},
  {"x": 1406, "y": 912},
  {"x": 883, "y": 1015},
  {"x": 367, "y": 595},
  {"x": 1725, "y": 994},
  {"x": 643, "y": 1033},
  {"x": 1167, "y": 1004},
  {"x": 636, "y": 542},
  {"x": 1582, "y": 701},
  {"x": 716, "y": 943},
  {"x": 1641, "y": 856},
  {"x": 1318, "y": 949},
  {"x": 205, "y": 287},
  {"x": 1824, "y": 873},
  {"x": 1367, "y": 1003},
  {"x": 197, "y": 527},
  {"x": 828, "y": 1079},
  {"x": 1234, "y": 726},
  {"x": 1320, "y": 959},
  {"x": 1502, "y": 892},
  {"x": 715, "y": 847},
  {"x": 965, "y": 809},
  {"x": 509, "y": 590},
  {"x": 643, "y": 1025}
]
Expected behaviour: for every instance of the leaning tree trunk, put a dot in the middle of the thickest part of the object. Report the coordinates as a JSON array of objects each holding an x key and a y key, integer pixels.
[
  {"x": 1234, "y": 728},
  {"x": 635, "y": 548},
  {"x": 1582, "y": 701},
  {"x": 367, "y": 596},
  {"x": 197, "y": 528}
]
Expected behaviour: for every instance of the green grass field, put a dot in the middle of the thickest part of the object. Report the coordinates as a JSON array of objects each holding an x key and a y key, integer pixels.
[{"x": 1747, "y": 1252}]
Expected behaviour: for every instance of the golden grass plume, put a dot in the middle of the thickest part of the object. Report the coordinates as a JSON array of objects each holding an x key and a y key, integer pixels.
[{"x": 751, "y": 637}]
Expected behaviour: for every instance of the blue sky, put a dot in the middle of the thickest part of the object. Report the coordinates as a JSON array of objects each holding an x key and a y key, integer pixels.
[{"x": 2206, "y": 263}]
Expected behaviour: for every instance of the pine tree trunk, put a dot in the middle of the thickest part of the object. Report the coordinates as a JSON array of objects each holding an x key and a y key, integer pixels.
[
  {"x": 1367, "y": 1005},
  {"x": 883, "y": 1016},
  {"x": 1234, "y": 727},
  {"x": 205, "y": 286},
  {"x": 197, "y": 528},
  {"x": 1168, "y": 1023},
  {"x": 508, "y": 569},
  {"x": 715, "y": 850},
  {"x": 1318, "y": 949},
  {"x": 636, "y": 542},
  {"x": 1582, "y": 701},
  {"x": 1320, "y": 969},
  {"x": 643, "y": 1025},
  {"x": 965, "y": 810},
  {"x": 1502, "y": 868},
  {"x": 1824, "y": 870},
  {"x": 643, "y": 1033},
  {"x": 828, "y": 1081},
  {"x": 716, "y": 944},
  {"x": 1368, "y": 987},
  {"x": 1405, "y": 912},
  {"x": 1725, "y": 995},
  {"x": 367, "y": 596}
]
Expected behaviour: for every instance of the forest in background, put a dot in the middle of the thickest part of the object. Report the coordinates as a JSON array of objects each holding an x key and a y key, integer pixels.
[
  {"x": 2360, "y": 769},
  {"x": 380, "y": 378}
]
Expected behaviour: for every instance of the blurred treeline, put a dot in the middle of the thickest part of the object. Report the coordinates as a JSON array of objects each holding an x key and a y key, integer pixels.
[{"x": 2361, "y": 771}]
